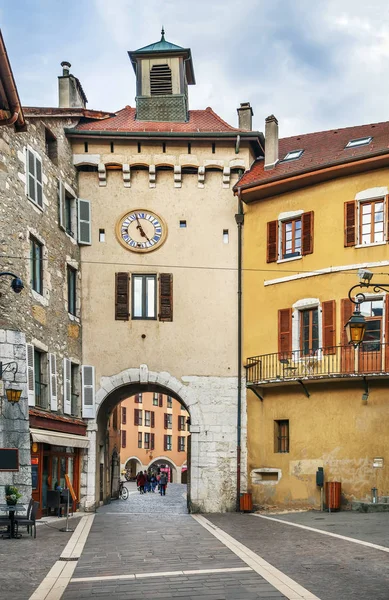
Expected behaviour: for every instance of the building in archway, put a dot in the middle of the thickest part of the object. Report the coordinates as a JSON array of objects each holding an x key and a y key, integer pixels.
[
  {"x": 154, "y": 431},
  {"x": 159, "y": 300}
]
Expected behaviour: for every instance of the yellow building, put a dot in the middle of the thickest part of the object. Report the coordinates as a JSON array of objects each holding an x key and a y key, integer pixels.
[{"x": 316, "y": 212}]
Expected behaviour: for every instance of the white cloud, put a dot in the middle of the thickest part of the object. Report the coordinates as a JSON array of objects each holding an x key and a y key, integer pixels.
[{"x": 316, "y": 65}]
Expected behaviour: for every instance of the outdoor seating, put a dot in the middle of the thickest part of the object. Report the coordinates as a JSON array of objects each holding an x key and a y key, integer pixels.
[
  {"x": 30, "y": 522},
  {"x": 56, "y": 500}
]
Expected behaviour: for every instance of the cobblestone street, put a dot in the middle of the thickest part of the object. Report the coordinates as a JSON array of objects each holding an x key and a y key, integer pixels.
[{"x": 149, "y": 547}]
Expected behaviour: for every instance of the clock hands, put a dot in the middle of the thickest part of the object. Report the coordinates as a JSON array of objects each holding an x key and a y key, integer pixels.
[{"x": 141, "y": 231}]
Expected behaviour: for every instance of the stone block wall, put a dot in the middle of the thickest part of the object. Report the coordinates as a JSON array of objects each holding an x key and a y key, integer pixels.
[
  {"x": 14, "y": 425},
  {"x": 43, "y": 319}
]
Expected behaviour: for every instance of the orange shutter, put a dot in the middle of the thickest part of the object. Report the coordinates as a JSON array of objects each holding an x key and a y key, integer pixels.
[
  {"x": 349, "y": 223},
  {"x": 272, "y": 252},
  {"x": 121, "y": 297},
  {"x": 329, "y": 326},
  {"x": 285, "y": 331},
  {"x": 307, "y": 233},
  {"x": 386, "y": 332},
  {"x": 347, "y": 309}
]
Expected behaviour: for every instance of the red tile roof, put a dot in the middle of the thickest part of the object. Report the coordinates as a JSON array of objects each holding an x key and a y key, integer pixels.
[
  {"x": 321, "y": 149},
  {"x": 124, "y": 120},
  {"x": 34, "y": 412},
  {"x": 46, "y": 111}
]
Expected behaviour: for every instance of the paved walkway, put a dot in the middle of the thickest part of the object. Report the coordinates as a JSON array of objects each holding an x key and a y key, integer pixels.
[
  {"x": 174, "y": 503},
  {"x": 132, "y": 549}
]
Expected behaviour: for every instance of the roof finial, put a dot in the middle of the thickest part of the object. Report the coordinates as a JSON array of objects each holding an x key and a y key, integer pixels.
[{"x": 162, "y": 34}]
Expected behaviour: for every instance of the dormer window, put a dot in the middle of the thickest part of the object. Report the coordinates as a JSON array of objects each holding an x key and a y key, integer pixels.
[
  {"x": 293, "y": 155},
  {"x": 359, "y": 142},
  {"x": 160, "y": 80}
]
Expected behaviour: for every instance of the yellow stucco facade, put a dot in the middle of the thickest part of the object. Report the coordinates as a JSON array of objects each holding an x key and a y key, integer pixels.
[{"x": 342, "y": 426}]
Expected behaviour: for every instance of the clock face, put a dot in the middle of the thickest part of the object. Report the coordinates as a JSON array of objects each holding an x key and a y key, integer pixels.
[{"x": 141, "y": 230}]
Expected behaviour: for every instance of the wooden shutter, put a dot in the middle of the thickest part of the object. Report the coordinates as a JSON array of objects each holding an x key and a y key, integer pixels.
[
  {"x": 307, "y": 233},
  {"x": 165, "y": 420},
  {"x": 30, "y": 173},
  {"x": 179, "y": 423},
  {"x": 387, "y": 332},
  {"x": 285, "y": 331},
  {"x": 178, "y": 444},
  {"x": 349, "y": 223},
  {"x": 160, "y": 399},
  {"x": 329, "y": 326},
  {"x": 124, "y": 415},
  {"x": 53, "y": 382},
  {"x": 165, "y": 297},
  {"x": 152, "y": 419},
  {"x": 84, "y": 222},
  {"x": 61, "y": 205},
  {"x": 88, "y": 391},
  {"x": 67, "y": 387},
  {"x": 30, "y": 374},
  {"x": 347, "y": 309},
  {"x": 272, "y": 241},
  {"x": 165, "y": 442},
  {"x": 152, "y": 441},
  {"x": 39, "y": 191},
  {"x": 121, "y": 296},
  {"x": 124, "y": 438}
]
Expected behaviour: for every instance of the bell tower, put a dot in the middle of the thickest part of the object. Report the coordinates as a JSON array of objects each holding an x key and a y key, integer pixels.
[{"x": 163, "y": 72}]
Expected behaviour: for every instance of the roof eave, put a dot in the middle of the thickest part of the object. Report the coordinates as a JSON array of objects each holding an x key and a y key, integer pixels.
[
  {"x": 249, "y": 136},
  {"x": 254, "y": 191},
  {"x": 10, "y": 88}
]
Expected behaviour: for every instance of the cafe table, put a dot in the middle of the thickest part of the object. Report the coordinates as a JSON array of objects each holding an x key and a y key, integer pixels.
[{"x": 12, "y": 510}]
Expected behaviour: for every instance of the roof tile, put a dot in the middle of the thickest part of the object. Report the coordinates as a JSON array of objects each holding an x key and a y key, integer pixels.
[{"x": 321, "y": 149}]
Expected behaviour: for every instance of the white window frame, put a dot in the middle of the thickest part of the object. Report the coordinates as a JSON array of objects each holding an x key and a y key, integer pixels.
[
  {"x": 298, "y": 307},
  {"x": 288, "y": 156},
  {"x": 37, "y": 157},
  {"x": 363, "y": 197},
  {"x": 357, "y": 142},
  {"x": 282, "y": 217}
]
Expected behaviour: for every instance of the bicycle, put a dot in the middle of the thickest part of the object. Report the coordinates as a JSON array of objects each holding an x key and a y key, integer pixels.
[{"x": 123, "y": 491}]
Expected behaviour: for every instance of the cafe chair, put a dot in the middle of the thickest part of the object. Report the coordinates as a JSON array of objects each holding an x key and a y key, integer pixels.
[
  {"x": 29, "y": 523},
  {"x": 55, "y": 500}
]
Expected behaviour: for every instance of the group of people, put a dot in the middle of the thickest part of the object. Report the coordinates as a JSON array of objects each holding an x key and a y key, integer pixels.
[{"x": 149, "y": 482}]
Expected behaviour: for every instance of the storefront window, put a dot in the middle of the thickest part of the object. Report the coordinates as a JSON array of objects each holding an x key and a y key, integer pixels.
[
  {"x": 62, "y": 481},
  {"x": 54, "y": 473}
]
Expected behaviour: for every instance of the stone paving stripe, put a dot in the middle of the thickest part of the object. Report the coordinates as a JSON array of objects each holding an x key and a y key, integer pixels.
[
  {"x": 335, "y": 535},
  {"x": 281, "y": 582},
  {"x": 59, "y": 576},
  {"x": 165, "y": 574}
]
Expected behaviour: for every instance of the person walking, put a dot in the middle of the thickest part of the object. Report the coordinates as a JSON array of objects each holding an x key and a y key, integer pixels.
[
  {"x": 153, "y": 482},
  {"x": 163, "y": 484},
  {"x": 140, "y": 480}
]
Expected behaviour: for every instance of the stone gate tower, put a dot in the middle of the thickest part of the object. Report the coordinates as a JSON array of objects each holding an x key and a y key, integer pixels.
[{"x": 159, "y": 276}]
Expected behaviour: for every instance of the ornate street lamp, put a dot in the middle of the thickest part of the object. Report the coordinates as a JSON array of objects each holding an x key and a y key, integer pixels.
[
  {"x": 13, "y": 393},
  {"x": 356, "y": 326},
  {"x": 16, "y": 283}
]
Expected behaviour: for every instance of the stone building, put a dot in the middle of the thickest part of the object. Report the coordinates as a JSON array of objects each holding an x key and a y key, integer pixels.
[
  {"x": 159, "y": 279},
  {"x": 40, "y": 330}
]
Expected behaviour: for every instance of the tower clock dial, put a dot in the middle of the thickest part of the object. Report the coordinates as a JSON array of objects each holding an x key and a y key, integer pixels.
[{"x": 141, "y": 230}]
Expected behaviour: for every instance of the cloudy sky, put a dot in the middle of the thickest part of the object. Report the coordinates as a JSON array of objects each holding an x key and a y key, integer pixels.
[{"x": 315, "y": 64}]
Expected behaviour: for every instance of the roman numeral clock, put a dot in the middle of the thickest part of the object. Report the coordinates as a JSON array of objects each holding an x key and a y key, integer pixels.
[{"x": 141, "y": 230}]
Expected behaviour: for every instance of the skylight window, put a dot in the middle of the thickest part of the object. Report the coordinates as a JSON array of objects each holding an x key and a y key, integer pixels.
[
  {"x": 293, "y": 155},
  {"x": 359, "y": 142}
]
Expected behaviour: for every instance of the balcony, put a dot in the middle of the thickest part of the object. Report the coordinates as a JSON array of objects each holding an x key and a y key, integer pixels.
[{"x": 370, "y": 359}]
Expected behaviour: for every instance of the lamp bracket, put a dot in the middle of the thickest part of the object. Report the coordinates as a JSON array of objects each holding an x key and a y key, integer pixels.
[
  {"x": 308, "y": 395},
  {"x": 374, "y": 288},
  {"x": 11, "y": 367}
]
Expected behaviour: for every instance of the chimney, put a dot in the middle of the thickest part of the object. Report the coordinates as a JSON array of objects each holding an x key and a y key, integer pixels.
[
  {"x": 271, "y": 142},
  {"x": 71, "y": 94},
  {"x": 245, "y": 116}
]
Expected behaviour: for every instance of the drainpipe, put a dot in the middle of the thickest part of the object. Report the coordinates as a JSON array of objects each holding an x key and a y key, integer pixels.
[
  {"x": 10, "y": 120},
  {"x": 239, "y": 218}
]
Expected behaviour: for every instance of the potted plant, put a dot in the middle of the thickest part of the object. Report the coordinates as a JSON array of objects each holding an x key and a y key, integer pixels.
[{"x": 12, "y": 494}]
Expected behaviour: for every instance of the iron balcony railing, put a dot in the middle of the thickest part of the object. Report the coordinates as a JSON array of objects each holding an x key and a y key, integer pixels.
[
  {"x": 370, "y": 358},
  {"x": 41, "y": 395}
]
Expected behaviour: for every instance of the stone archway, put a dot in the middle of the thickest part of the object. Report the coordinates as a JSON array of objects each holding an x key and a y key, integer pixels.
[
  {"x": 211, "y": 404},
  {"x": 133, "y": 464},
  {"x": 164, "y": 460},
  {"x": 112, "y": 391}
]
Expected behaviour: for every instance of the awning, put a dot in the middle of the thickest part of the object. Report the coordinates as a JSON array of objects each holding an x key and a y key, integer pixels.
[{"x": 56, "y": 438}]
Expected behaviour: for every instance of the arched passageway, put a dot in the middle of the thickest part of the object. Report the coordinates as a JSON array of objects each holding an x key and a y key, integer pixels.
[
  {"x": 132, "y": 466},
  {"x": 100, "y": 483},
  {"x": 164, "y": 465}
]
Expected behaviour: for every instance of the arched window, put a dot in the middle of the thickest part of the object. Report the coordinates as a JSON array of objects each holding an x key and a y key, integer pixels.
[{"x": 160, "y": 80}]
